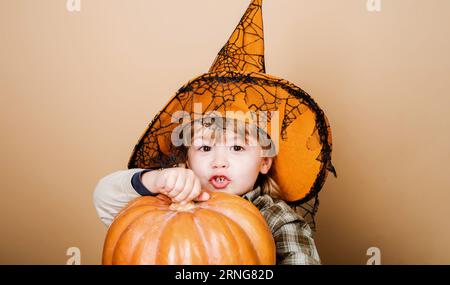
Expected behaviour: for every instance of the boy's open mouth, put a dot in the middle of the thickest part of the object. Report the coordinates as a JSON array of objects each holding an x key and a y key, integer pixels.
[{"x": 219, "y": 181}]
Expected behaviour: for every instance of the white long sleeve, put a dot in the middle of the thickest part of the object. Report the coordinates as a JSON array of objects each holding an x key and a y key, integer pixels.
[{"x": 112, "y": 193}]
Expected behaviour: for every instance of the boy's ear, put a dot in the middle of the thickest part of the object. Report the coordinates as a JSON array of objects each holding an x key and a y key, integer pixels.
[{"x": 265, "y": 165}]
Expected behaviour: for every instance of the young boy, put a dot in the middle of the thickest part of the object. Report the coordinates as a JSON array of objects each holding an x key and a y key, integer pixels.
[{"x": 236, "y": 81}]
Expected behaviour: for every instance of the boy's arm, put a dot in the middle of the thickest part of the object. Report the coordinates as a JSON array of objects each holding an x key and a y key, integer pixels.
[{"x": 114, "y": 191}]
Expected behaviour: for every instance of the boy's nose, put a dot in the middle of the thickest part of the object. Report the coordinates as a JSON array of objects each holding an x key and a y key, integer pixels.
[
  {"x": 220, "y": 159},
  {"x": 220, "y": 164}
]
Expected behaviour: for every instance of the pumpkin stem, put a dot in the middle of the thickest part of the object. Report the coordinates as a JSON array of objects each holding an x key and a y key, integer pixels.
[{"x": 182, "y": 207}]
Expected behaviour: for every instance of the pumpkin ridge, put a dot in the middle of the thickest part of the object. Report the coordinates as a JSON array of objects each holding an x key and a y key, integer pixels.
[
  {"x": 229, "y": 221},
  {"x": 167, "y": 217},
  {"x": 128, "y": 228},
  {"x": 231, "y": 199},
  {"x": 132, "y": 211},
  {"x": 226, "y": 221},
  {"x": 119, "y": 237},
  {"x": 257, "y": 216},
  {"x": 201, "y": 234},
  {"x": 216, "y": 208},
  {"x": 167, "y": 227}
]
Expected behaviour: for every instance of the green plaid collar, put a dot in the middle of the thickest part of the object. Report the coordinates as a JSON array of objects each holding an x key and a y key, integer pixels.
[{"x": 253, "y": 194}]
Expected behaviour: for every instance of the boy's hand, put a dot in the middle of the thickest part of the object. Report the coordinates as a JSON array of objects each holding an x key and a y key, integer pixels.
[{"x": 179, "y": 184}]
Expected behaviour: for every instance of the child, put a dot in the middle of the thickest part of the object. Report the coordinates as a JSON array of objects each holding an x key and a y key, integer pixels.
[
  {"x": 219, "y": 158},
  {"x": 246, "y": 167}
]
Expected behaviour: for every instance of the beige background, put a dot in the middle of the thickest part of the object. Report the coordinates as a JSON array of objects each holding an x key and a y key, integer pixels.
[{"x": 78, "y": 89}]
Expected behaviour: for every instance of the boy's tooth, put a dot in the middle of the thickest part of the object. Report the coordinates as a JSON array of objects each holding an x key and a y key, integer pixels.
[{"x": 220, "y": 179}]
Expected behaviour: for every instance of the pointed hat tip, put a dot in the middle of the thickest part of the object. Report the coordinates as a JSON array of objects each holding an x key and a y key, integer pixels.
[{"x": 244, "y": 51}]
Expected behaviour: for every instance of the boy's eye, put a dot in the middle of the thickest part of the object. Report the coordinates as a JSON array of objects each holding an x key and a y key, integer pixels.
[
  {"x": 205, "y": 148},
  {"x": 238, "y": 148}
]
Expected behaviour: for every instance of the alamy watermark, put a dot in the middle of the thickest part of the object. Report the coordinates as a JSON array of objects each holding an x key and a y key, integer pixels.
[
  {"x": 375, "y": 256},
  {"x": 73, "y": 5},
  {"x": 373, "y": 5},
  {"x": 253, "y": 126},
  {"x": 75, "y": 256}
]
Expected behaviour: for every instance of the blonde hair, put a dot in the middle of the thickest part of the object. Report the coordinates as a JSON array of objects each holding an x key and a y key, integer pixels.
[{"x": 266, "y": 182}]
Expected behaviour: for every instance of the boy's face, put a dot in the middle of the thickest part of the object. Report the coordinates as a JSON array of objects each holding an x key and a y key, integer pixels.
[{"x": 227, "y": 164}]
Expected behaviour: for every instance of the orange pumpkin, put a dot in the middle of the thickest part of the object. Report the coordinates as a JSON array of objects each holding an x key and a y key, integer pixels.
[{"x": 226, "y": 229}]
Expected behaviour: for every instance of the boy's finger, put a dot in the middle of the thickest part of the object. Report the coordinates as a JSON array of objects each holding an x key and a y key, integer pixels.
[
  {"x": 189, "y": 182},
  {"x": 179, "y": 186},
  {"x": 171, "y": 180},
  {"x": 194, "y": 194},
  {"x": 204, "y": 196},
  {"x": 197, "y": 188},
  {"x": 160, "y": 181},
  {"x": 182, "y": 195}
]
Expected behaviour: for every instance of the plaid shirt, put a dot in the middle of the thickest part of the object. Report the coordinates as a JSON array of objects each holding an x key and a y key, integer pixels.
[{"x": 292, "y": 235}]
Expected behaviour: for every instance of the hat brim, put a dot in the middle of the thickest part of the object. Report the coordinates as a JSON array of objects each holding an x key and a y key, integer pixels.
[{"x": 304, "y": 144}]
